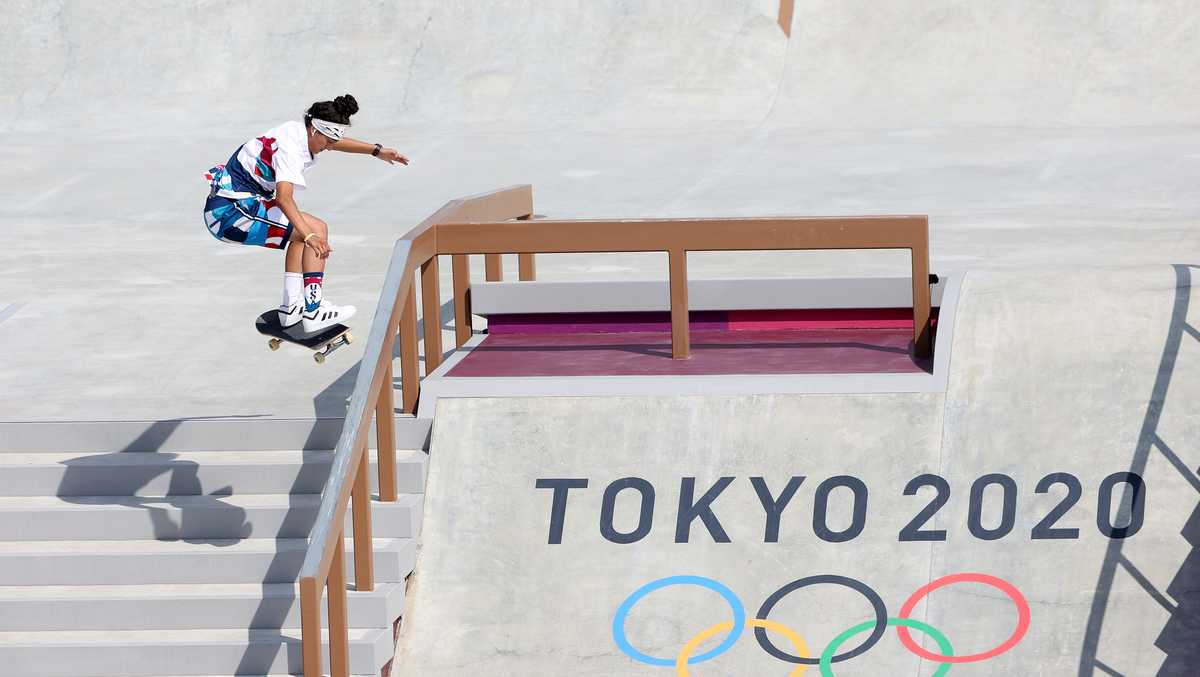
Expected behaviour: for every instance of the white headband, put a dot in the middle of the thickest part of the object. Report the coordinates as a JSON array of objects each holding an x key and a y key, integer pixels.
[{"x": 333, "y": 130}]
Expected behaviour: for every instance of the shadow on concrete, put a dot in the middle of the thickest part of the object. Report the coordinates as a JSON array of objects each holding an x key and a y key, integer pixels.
[
  {"x": 1180, "y": 637},
  {"x": 270, "y": 614},
  {"x": 332, "y": 401},
  {"x": 119, "y": 483},
  {"x": 104, "y": 479}
]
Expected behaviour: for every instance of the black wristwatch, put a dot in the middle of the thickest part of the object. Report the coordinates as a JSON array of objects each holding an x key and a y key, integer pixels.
[{"x": 375, "y": 153}]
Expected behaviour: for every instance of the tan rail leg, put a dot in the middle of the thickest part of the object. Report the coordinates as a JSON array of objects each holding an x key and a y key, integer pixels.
[
  {"x": 310, "y": 623},
  {"x": 680, "y": 339},
  {"x": 461, "y": 265},
  {"x": 385, "y": 436},
  {"x": 493, "y": 267},
  {"x": 364, "y": 572},
  {"x": 431, "y": 310},
  {"x": 410, "y": 379},
  {"x": 339, "y": 630},
  {"x": 526, "y": 267},
  {"x": 922, "y": 334}
]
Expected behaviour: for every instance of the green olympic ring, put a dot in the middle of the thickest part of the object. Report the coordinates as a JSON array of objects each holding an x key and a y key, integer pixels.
[{"x": 943, "y": 643}]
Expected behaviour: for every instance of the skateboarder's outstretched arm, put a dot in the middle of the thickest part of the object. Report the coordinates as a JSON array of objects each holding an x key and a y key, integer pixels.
[{"x": 388, "y": 155}]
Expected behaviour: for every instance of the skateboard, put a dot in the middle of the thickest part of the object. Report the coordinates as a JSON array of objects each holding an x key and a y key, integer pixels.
[{"x": 322, "y": 343}]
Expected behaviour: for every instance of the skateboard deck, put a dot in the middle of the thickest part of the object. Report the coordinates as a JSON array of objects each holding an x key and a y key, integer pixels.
[{"x": 322, "y": 343}]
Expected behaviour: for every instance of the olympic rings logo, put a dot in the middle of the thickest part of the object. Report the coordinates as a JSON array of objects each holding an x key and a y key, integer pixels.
[{"x": 803, "y": 657}]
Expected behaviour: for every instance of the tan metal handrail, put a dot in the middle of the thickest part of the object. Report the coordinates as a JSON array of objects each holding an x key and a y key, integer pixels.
[
  {"x": 482, "y": 225},
  {"x": 324, "y": 566}
]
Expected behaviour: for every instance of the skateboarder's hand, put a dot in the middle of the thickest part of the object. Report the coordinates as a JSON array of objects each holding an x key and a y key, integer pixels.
[
  {"x": 392, "y": 156},
  {"x": 319, "y": 246}
]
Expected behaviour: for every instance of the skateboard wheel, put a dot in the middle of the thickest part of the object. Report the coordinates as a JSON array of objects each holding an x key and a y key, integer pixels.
[
  {"x": 319, "y": 357},
  {"x": 273, "y": 344},
  {"x": 349, "y": 338}
]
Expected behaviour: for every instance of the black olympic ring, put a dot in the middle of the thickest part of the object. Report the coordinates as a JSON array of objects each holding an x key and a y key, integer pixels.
[{"x": 881, "y": 617}]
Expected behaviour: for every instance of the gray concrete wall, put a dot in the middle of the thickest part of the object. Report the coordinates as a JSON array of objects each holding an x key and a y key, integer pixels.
[
  {"x": 895, "y": 64},
  {"x": 1088, "y": 374},
  {"x": 513, "y": 63},
  {"x": 902, "y": 64}
]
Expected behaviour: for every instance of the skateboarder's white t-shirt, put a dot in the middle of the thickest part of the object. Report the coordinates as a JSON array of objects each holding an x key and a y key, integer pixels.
[{"x": 278, "y": 154}]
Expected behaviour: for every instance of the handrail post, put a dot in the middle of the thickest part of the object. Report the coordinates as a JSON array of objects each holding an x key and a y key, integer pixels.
[
  {"x": 364, "y": 572},
  {"x": 410, "y": 380},
  {"x": 493, "y": 268},
  {"x": 385, "y": 436},
  {"x": 461, "y": 267},
  {"x": 680, "y": 339},
  {"x": 526, "y": 269},
  {"x": 310, "y": 625},
  {"x": 339, "y": 630},
  {"x": 431, "y": 311},
  {"x": 922, "y": 301}
]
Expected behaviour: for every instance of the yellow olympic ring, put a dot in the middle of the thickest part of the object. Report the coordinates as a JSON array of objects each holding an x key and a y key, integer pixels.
[{"x": 681, "y": 668}]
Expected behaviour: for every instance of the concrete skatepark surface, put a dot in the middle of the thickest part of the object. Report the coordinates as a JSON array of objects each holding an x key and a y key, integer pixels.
[
  {"x": 497, "y": 590},
  {"x": 1034, "y": 135},
  {"x": 1053, "y": 145}
]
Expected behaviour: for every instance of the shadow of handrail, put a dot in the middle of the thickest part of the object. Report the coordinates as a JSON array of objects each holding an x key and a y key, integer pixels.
[{"x": 1180, "y": 638}]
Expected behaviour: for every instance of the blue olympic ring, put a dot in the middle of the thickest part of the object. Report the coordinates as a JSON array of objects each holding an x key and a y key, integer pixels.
[{"x": 735, "y": 604}]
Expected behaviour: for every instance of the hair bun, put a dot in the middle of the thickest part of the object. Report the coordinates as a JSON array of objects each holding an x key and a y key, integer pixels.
[{"x": 346, "y": 105}]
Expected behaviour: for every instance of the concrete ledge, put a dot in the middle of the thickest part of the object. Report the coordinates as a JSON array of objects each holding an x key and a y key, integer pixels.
[
  {"x": 153, "y": 562},
  {"x": 192, "y": 434},
  {"x": 495, "y": 298},
  {"x": 439, "y": 385}
]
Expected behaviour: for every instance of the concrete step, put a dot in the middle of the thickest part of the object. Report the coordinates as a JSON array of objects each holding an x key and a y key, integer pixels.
[
  {"x": 251, "y": 560},
  {"x": 187, "y": 517},
  {"x": 176, "y": 652},
  {"x": 180, "y": 607},
  {"x": 187, "y": 473}
]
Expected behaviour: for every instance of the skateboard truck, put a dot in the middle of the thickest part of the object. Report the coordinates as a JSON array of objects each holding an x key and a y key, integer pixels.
[{"x": 320, "y": 355}]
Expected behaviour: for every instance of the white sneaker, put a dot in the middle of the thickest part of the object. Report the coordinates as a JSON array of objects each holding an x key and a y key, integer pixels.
[
  {"x": 290, "y": 315},
  {"x": 326, "y": 315}
]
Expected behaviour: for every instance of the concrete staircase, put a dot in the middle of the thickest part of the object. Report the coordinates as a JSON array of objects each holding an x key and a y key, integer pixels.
[{"x": 180, "y": 563}]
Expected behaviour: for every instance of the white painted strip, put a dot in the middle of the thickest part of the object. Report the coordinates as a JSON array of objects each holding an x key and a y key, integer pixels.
[
  {"x": 10, "y": 310},
  {"x": 53, "y": 191}
]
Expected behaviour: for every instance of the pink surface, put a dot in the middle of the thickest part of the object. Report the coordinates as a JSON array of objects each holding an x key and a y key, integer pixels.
[
  {"x": 570, "y": 323},
  {"x": 775, "y": 351},
  {"x": 848, "y": 318}
]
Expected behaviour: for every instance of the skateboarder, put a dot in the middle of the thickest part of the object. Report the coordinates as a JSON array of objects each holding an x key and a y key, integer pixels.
[{"x": 252, "y": 201}]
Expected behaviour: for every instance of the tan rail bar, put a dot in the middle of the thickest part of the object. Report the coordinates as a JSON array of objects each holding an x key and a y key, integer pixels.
[
  {"x": 679, "y": 236},
  {"x": 483, "y": 225}
]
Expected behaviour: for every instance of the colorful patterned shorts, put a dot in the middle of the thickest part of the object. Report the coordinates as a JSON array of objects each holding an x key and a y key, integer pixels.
[{"x": 242, "y": 218}]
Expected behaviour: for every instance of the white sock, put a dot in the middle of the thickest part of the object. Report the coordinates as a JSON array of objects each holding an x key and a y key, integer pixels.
[{"x": 293, "y": 288}]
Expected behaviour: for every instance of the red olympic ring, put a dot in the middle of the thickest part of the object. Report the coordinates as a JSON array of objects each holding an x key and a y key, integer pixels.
[{"x": 1023, "y": 617}]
